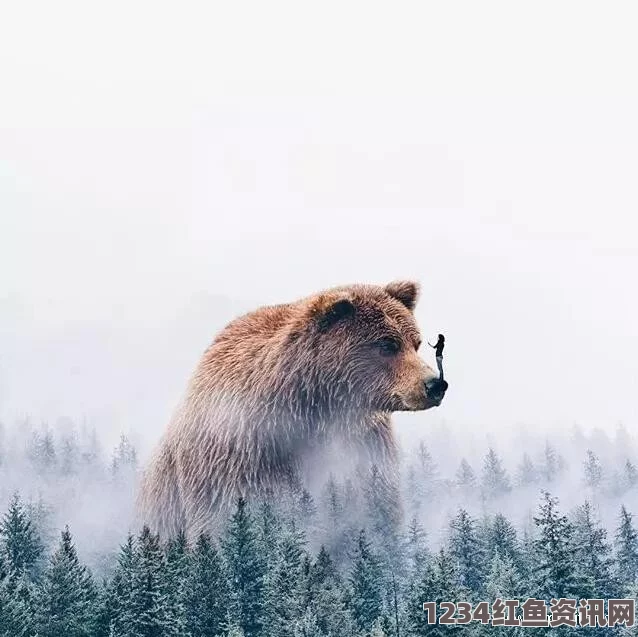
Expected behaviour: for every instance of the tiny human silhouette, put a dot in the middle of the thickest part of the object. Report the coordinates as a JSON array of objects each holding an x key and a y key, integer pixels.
[{"x": 440, "y": 344}]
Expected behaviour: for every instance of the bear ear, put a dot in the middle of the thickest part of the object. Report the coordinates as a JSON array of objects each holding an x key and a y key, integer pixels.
[
  {"x": 407, "y": 292},
  {"x": 331, "y": 311}
]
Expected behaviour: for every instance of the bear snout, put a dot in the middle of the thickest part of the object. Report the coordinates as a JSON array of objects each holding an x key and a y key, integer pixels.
[{"x": 435, "y": 390}]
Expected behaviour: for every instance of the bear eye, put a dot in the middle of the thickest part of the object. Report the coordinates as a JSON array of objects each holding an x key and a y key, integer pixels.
[
  {"x": 417, "y": 344},
  {"x": 388, "y": 346}
]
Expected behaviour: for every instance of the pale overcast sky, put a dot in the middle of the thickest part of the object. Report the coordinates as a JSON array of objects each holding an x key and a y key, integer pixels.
[{"x": 162, "y": 168}]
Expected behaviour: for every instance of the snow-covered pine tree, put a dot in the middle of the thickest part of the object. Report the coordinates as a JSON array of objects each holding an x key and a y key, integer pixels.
[
  {"x": 500, "y": 537},
  {"x": 67, "y": 596},
  {"x": 324, "y": 594},
  {"x": 416, "y": 550},
  {"x": 466, "y": 478},
  {"x": 379, "y": 518},
  {"x": 495, "y": 481},
  {"x": 116, "y": 601},
  {"x": 337, "y": 517},
  {"x": 526, "y": 563},
  {"x": 468, "y": 551},
  {"x": 284, "y": 585},
  {"x": 247, "y": 569},
  {"x": 332, "y": 502},
  {"x": 20, "y": 544},
  {"x": 626, "y": 551},
  {"x": 149, "y": 608},
  {"x": 124, "y": 460},
  {"x": 503, "y": 578},
  {"x": 268, "y": 526},
  {"x": 592, "y": 471},
  {"x": 504, "y": 582},
  {"x": 207, "y": 592},
  {"x": 421, "y": 588},
  {"x": 446, "y": 587},
  {"x": 427, "y": 470},
  {"x": 554, "y": 552},
  {"x": 17, "y": 606},
  {"x": 366, "y": 585},
  {"x": 177, "y": 566},
  {"x": 42, "y": 452},
  {"x": 594, "y": 563},
  {"x": 40, "y": 514},
  {"x": 307, "y": 509}
]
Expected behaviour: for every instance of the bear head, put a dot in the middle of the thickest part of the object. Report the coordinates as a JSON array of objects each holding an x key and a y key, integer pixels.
[{"x": 362, "y": 343}]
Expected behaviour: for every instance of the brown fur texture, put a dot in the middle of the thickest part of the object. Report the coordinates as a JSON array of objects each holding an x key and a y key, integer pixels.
[{"x": 278, "y": 392}]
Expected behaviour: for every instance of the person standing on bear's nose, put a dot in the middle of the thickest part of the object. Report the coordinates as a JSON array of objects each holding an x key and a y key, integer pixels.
[{"x": 440, "y": 344}]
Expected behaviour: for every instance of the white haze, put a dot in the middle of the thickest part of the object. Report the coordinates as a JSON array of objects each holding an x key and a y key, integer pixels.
[
  {"x": 81, "y": 482},
  {"x": 162, "y": 170}
]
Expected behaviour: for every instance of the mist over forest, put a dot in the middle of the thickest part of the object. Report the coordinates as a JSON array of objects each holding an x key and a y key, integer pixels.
[
  {"x": 477, "y": 510},
  {"x": 67, "y": 469}
]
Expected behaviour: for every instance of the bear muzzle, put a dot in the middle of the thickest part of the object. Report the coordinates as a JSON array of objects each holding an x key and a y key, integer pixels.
[
  {"x": 430, "y": 393},
  {"x": 435, "y": 391}
]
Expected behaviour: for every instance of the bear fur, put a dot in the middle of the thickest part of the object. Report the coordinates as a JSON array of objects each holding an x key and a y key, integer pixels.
[{"x": 280, "y": 393}]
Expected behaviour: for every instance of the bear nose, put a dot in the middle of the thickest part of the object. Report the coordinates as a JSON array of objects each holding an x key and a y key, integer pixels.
[{"x": 436, "y": 388}]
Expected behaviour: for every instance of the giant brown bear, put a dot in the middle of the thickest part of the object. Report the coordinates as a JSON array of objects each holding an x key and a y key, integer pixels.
[{"x": 286, "y": 393}]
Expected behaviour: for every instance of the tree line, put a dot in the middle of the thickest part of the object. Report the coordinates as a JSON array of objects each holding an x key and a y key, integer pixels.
[
  {"x": 261, "y": 578},
  {"x": 304, "y": 565}
]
